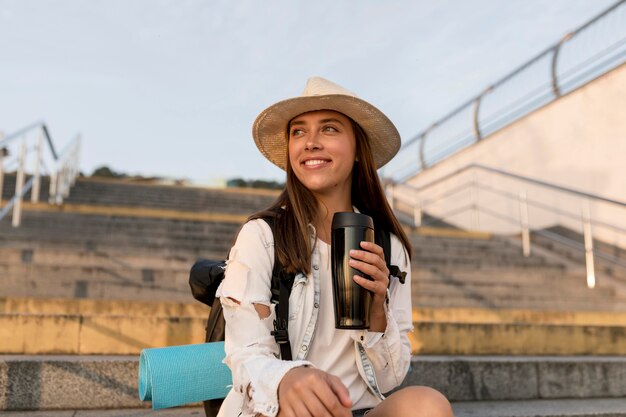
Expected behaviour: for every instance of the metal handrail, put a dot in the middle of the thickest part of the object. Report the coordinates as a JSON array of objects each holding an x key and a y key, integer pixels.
[
  {"x": 62, "y": 174},
  {"x": 547, "y": 234},
  {"x": 549, "y": 208},
  {"x": 552, "y": 89},
  {"x": 576, "y": 245},
  {"x": 419, "y": 204},
  {"x": 562, "y": 239},
  {"x": 514, "y": 176},
  {"x": 24, "y": 130}
]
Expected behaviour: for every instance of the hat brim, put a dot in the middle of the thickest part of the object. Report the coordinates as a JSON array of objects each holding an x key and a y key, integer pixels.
[{"x": 270, "y": 127}]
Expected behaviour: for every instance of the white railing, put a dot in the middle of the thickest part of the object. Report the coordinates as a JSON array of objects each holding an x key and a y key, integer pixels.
[
  {"x": 580, "y": 56},
  {"x": 31, "y": 152},
  {"x": 486, "y": 199}
]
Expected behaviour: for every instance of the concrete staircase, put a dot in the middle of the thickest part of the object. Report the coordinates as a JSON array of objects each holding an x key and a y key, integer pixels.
[
  {"x": 478, "y": 386},
  {"x": 125, "y": 193},
  {"x": 106, "y": 275},
  {"x": 484, "y": 271}
]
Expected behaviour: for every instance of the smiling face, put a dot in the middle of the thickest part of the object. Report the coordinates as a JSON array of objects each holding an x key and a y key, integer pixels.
[{"x": 322, "y": 150}]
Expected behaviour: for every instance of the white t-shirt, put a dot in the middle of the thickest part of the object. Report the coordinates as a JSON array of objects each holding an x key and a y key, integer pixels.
[{"x": 332, "y": 350}]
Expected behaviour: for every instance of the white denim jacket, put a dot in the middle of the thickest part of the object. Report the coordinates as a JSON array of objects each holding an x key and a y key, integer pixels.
[{"x": 252, "y": 353}]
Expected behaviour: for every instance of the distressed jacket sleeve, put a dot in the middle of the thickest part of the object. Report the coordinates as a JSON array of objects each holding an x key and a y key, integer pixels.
[
  {"x": 252, "y": 354},
  {"x": 390, "y": 352}
]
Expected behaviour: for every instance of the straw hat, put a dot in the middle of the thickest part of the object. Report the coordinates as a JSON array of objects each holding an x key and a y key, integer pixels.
[{"x": 270, "y": 127}]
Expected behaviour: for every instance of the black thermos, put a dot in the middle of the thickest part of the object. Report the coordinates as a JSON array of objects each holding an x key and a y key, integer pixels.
[{"x": 351, "y": 301}]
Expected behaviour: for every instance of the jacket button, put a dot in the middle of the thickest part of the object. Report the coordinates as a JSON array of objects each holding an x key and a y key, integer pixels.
[
  {"x": 304, "y": 348},
  {"x": 316, "y": 267},
  {"x": 316, "y": 305}
]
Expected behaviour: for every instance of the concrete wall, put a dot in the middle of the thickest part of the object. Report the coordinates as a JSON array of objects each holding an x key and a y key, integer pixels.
[{"x": 578, "y": 141}]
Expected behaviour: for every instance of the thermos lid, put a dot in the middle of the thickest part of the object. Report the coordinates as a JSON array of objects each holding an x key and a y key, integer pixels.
[{"x": 348, "y": 218}]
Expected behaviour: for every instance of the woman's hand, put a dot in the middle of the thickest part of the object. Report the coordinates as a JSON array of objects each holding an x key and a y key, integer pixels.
[
  {"x": 371, "y": 261},
  {"x": 310, "y": 392}
]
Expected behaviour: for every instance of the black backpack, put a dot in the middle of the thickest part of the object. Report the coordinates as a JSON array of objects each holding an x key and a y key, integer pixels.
[{"x": 206, "y": 275}]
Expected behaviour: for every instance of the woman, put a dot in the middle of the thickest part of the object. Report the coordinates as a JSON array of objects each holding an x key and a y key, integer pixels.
[{"x": 330, "y": 143}]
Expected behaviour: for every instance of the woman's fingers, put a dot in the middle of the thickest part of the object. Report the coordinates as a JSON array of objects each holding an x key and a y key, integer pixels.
[
  {"x": 310, "y": 392},
  {"x": 340, "y": 390},
  {"x": 372, "y": 254},
  {"x": 371, "y": 261}
]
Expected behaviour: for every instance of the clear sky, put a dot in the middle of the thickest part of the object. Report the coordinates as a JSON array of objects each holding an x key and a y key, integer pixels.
[{"x": 171, "y": 87}]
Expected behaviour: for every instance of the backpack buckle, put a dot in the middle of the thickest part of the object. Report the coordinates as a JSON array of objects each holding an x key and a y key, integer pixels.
[
  {"x": 394, "y": 271},
  {"x": 280, "y": 331}
]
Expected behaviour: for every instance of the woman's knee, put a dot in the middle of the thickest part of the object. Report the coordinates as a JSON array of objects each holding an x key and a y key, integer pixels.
[{"x": 422, "y": 401}]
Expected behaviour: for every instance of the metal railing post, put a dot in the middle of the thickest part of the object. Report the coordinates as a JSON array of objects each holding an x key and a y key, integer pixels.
[
  {"x": 62, "y": 185},
  {"x": 586, "y": 217},
  {"x": 53, "y": 187},
  {"x": 19, "y": 184},
  {"x": 474, "y": 203},
  {"x": 1, "y": 169},
  {"x": 75, "y": 162},
  {"x": 67, "y": 182},
  {"x": 34, "y": 193},
  {"x": 422, "y": 159},
  {"x": 417, "y": 211},
  {"x": 555, "y": 57},
  {"x": 523, "y": 211},
  {"x": 478, "y": 135}
]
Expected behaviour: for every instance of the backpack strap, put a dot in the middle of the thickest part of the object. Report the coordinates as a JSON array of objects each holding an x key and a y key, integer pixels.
[
  {"x": 384, "y": 238},
  {"x": 281, "y": 331},
  {"x": 282, "y": 282}
]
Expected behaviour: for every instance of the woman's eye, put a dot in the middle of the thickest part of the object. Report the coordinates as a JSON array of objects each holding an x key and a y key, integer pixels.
[
  {"x": 329, "y": 129},
  {"x": 296, "y": 132}
]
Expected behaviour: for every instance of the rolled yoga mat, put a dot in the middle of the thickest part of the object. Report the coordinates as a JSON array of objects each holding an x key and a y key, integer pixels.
[{"x": 178, "y": 375}]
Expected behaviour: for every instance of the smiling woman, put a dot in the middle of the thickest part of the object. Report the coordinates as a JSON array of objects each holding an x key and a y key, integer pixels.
[
  {"x": 322, "y": 151},
  {"x": 330, "y": 143}
]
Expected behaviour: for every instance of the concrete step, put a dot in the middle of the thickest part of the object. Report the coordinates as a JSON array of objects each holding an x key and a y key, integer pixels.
[
  {"x": 132, "y": 308},
  {"x": 534, "y": 276},
  {"x": 100, "y": 290},
  {"x": 101, "y": 382},
  {"x": 596, "y": 407},
  {"x": 478, "y": 261},
  {"x": 515, "y": 301},
  {"x": 578, "y": 256},
  {"x": 547, "y": 290},
  {"x": 125, "y": 193},
  {"x": 59, "y": 256},
  {"x": 194, "y": 411},
  {"x": 76, "y": 334},
  {"x": 120, "y": 230},
  {"x": 521, "y": 316},
  {"x": 84, "y": 334},
  {"x": 57, "y": 274}
]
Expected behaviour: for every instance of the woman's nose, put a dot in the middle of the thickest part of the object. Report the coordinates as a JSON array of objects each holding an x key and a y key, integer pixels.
[{"x": 313, "y": 141}]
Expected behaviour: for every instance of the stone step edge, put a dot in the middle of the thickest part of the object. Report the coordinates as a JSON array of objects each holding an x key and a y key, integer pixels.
[
  {"x": 110, "y": 382},
  {"x": 82, "y": 335},
  {"x": 595, "y": 407},
  {"x": 126, "y": 211},
  {"x": 164, "y": 185},
  {"x": 72, "y": 306}
]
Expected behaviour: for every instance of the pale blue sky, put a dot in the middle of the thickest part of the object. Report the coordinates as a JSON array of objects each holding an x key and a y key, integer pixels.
[{"x": 170, "y": 88}]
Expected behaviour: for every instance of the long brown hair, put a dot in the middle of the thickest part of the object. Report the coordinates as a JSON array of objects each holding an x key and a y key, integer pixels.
[{"x": 292, "y": 238}]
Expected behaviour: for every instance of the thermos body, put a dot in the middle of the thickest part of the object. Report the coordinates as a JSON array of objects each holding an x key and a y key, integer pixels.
[{"x": 351, "y": 301}]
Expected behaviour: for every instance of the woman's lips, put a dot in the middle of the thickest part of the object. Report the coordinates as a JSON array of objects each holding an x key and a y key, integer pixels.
[{"x": 314, "y": 163}]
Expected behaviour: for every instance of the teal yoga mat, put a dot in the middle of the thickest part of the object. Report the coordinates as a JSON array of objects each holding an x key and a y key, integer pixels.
[{"x": 178, "y": 375}]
